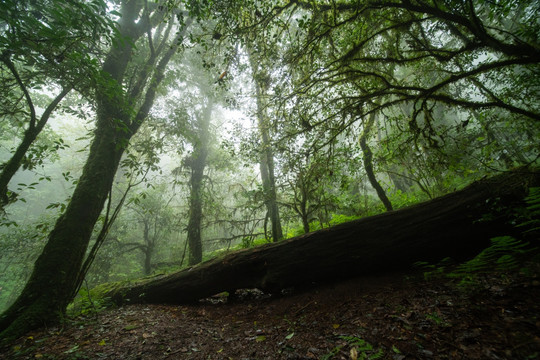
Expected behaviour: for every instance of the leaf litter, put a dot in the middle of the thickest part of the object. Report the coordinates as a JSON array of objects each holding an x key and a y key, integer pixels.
[{"x": 392, "y": 316}]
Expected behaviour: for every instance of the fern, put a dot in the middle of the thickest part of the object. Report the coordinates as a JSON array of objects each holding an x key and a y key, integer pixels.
[
  {"x": 505, "y": 253},
  {"x": 502, "y": 255},
  {"x": 431, "y": 271},
  {"x": 533, "y": 200},
  {"x": 531, "y": 218}
]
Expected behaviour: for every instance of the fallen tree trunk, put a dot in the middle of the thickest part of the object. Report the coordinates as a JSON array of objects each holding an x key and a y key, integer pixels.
[{"x": 457, "y": 225}]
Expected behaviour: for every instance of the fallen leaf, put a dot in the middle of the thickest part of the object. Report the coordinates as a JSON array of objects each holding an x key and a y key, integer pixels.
[
  {"x": 354, "y": 354},
  {"x": 73, "y": 349},
  {"x": 260, "y": 338}
]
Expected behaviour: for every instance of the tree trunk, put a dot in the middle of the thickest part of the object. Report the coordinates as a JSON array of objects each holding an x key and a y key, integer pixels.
[
  {"x": 198, "y": 164},
  {"x": 194, "y": 225},
  {"x": 301, "y": 205},
  {"x": 148, "y": 260},
  {"x": 368, "y": 163},
  {"x": 457, "y": 225},
  {"x": 267, "y": 155},
  {"x": 305, "y": 222},
  {"x": 50, "y": 288},
  {"x": 147, "y": 249}
]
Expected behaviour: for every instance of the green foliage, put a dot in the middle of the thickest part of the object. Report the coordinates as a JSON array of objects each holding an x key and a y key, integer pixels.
[
  {"x": 530, "y": 219},
  {"x": 402, "y": 199},
  {"x": 331, "y": 354},
  {"x": 54, "y": 35},
  {"x": 92, "y": 301},
  {"x": 249, "y": 243},
  {"x": 435, "y": 127},
  {"x": 340, "y": 218},
  {"x": 47, "y": 48},
  {"x": 46, "y": 148},
  {"x": 436, "y": 318},
  {"x": 503, "y": 255},
  {"x": 335, "y": 219},
  {"x": 86, "y": 304},
  {"x": 358, "y": 349},
  {"x": 19, "y": 248},
  {"x": 434, "y": 271}
]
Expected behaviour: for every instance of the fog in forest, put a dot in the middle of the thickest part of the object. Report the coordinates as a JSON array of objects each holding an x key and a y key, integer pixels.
[{"x": 150, "y": 136}]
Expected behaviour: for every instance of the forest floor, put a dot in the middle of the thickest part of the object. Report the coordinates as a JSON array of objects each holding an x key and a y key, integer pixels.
[{"x": 392, "y": 316}]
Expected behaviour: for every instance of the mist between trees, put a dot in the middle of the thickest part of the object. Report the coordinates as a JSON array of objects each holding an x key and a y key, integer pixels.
[{"x": 138, "y": 137}]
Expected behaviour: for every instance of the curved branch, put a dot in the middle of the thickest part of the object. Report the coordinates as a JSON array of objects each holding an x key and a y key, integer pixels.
[
  {"x": 11, "y": 167},
  {"x": 474, "y": 25},
  {"x": 480, "y": 69},
  {"x": 7, "y": 61}
]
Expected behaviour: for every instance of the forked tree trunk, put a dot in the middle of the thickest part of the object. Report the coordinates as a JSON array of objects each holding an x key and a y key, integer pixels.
[
  {"x": 368, "y": 163},
  {"x": 457, "y": 225},
  {"x": 56, "y": 272},
  {"x": 49, "y": 289},
  {"x": 266, "y": 164}
]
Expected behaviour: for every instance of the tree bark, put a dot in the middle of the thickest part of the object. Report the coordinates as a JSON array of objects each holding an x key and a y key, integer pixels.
[
  {"x": 267, "y": 155},
  {"x": 148, "y": 249},
  {"x": 458, "y": 225},
  {"x": 302, "y": 206},
  {"x": 198, "y": 164},
  {"x": 305, "y": 222},
  {"x": 368, "y": 163},
  {"x": 50, "y": 288}
]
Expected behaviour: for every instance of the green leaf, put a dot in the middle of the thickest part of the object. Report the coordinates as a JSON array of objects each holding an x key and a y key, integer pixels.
[
  {"x": 260, "y": 338},
  {"x": 72, "y": 349}
]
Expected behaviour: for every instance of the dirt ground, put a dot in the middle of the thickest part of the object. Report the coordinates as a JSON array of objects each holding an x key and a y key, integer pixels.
[{"x": 390, "y": 316}]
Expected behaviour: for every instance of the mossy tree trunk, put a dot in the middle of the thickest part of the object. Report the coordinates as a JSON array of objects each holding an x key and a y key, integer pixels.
[
  {"x": 50, "y": 287},
  {"x": 457, "y": 225},
  {"x": 54, "y": 279}
]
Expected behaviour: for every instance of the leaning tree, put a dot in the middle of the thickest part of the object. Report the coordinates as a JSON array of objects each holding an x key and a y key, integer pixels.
[
  {"x": 123, "y": 100},
  {"x": 50, "y": 44}
]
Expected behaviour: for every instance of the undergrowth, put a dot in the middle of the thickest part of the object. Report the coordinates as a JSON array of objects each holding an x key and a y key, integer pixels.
[
  {"x": 530, "y": 219},
  {"x": 505, "y": 254},
  {"x": 359, "y": 349},
  {"x": 89, "y": 302}
]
